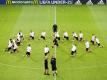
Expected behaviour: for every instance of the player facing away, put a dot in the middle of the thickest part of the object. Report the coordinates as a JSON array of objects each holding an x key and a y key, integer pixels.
[
  {"x": 98, "y": 42},
  {"x": 46, "y": 66},
  {"x": 10, "y": 45},
  {"x": 56, "y": 35},
  {"x": 20, "y": 34},
  {"x": 93, "y": 39},
  {"x": 53, "y": 65},
  {"x": 66, "y": 35},
  {"x": 55, "y": 42},
  {"x": 18, "y": 40},
  {"x": 55, "y": 27},
  {"x": 80, "y": 36},
  {"x": 73, "y": 50},
  {"x": 87, "y": 45},
  {"x": 75, "y": 36},
  {"x": 28, "y": 50},
  {"x": 46, "y": 50},
  {"x": 43, "y": 35},
  {"x": 15, "y": 47},
  {"x": 32, "y": 35}
]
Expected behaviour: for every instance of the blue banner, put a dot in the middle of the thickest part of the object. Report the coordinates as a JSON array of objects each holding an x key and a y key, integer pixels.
[{"x": 2, "y": 1}]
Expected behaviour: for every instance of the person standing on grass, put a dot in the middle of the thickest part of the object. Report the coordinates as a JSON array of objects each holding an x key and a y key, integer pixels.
[
  {"x": 93, "y": 39},
  {"x": 75, "y": 36},
  {"x": 43, "y": 35},
  {"x": 98, "y": 42},
  {"x": 46, "y": 66},
  {"x": 28, "y": 50},
  {"x": 57, "y": 35},
  {"x": 73, "y": 50},
  {"x": 53, "y": 65},
  {"x": 55, "y": 27},
  {"x": 10, "y": 45},
  {"x": 18, "y": 40},
  {"x": 20, "y": 34},
  {"x": 46, "y": 50},
  {"x": 66, "y": 35},
  {"x": 80, "y": 36},
  {"x": 87, "y": 45},
  {"x": 55, "y": 42},
  {"x": 32, "y": 35}
]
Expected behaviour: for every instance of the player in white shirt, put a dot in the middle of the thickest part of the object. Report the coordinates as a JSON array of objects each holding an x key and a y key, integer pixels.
[
  {"x": 98, "y": 42},
  {"x": 20, "y": 34},
  {"x": 75, "y": 36},
  {"x": 43, "y": 35},
  {"x": 18, "y": 40},
  {"x": 93, "y": 39},
  {"x": 32, "y": 35},
  {"x": 87, "y": 45},
  {"x": 46, "y": 50},
  {"x": 10, "y": 45},
  {"x": 66, "y": 35},
  {"x": 80, "y": 36},
  {"x": 28, "y": 50},
  {"x": 57, "y": 35},
  {"x": 74, "y": 49},
  {"x": 15, "y": 47}
]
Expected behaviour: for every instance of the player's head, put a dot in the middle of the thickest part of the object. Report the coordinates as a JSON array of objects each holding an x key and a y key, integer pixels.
[
  {"x": 46, "y": 46},
  {"x": 29, "y": 45}
]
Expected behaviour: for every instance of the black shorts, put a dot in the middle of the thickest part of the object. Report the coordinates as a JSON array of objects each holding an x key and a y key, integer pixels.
[
  {"x": 32, "y": 37},
  {"x": 81, "y": 39},
  {"x": 43, "y": 37},
  {"x": 46, "y": 53},
  {"x": 56, "y": 44},
  {"x": 92, "y": 42},
  {"x": 14, "y": 50},
  {"x": 73, "y": 52},
  {"x": 87, "y": 49},
  {"x": 46, "y": 65},
  {"x": 76, "y": 38},
  {"x": 67, "y": 38},
  {"x": 54, "y": 68},
  {"x": 9, "y": 48},
  {"x": 58, "y": 38},
  {"x": 18, "y": 43},
  {"x": 28, "y": 53}
]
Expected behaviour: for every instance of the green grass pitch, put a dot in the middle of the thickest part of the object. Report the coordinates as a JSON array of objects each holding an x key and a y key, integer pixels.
[{"x": 88, "y": 19}]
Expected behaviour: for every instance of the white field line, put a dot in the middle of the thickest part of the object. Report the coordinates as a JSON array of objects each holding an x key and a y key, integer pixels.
[
  {"x": 76, "y": 68},
  {"x": 21, "y": 67},
  {"x": 55, "y": 46}
]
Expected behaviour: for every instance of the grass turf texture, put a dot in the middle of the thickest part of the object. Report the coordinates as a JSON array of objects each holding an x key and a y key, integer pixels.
[{"x": 88, "y": 19}]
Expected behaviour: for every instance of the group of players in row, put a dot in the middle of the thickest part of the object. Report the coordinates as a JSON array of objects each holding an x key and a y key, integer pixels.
[{"x": 14, "y": 43}]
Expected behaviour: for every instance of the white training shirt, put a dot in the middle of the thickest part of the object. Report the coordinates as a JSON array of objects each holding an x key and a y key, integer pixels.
[
  {"x": 43, "y": 34},
  {"x": 87, "y": 44},
  {"x": 9, "y": 44},
  {"x": 15, "y": 46},
  {"x": 81, "y": 35},
  {"x": 97, "y": 40},
  {"x": 57, "y": 34},
  {"x": 46, "y": 50},
  {"x": 32, "y": 34},
  {"x": 74, "y": 34},
  {"x": 29, "y": 49},
  {"x": 93, "y": 38},
  {"x": 74, "y": 48},
  {"x": 19, "y": 39},
  {"x": 65, "y": 34}
]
